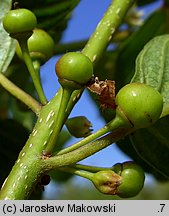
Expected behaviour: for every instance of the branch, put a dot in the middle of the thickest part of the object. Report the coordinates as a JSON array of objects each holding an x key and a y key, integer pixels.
[
  {"x": 20, "y": 94},
  {"x": 106, "y": 28},
  {"x": 85, "y": 151}
]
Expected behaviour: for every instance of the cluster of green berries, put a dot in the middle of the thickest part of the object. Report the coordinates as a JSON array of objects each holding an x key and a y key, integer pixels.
[
  {"x": 21, "y": 24},
  {"x": 138, "y": 104}
]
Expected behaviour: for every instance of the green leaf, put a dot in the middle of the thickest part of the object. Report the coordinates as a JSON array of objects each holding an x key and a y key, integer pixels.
[
  {"x": 7, "y": 44},
  {"x": 147, "y": 149},
  {"x": 125, "y": 64},
  {"x": 152, "y": 145},
  {"x": 128, "y": 148},
  {"x": 152, "y": 67},
  {"x": 12, "y": 138}
]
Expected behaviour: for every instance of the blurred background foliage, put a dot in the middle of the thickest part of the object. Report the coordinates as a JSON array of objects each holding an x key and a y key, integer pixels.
[{"x": 117, "y": 63}]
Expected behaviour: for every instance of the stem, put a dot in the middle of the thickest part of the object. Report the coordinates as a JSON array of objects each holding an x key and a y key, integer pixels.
[
  {"x": 32, "y": 71},
  {"x": 78, "y": 45},
  {"x": 36, "y": 65},
  {"x": 103, "y": 33},
  {"x": 20, "y": 94},
  {"x": 86, "y": 150},
  {"x": 31, "y": 163},
  {"x": 105, "y": 29},
  {"x": 29, "y": 166},
  {"x": 86, "y": 140},
  {"x": 67, "y": 47},
  {"x": 75, "y": 171},
  {"x": 66, "y": 93},
  {"x": 93, "y": 169},
  {"x": 116, "y": 123},
  {"x": 95, "y": 47},
  {"x": 73, "y": 100}
]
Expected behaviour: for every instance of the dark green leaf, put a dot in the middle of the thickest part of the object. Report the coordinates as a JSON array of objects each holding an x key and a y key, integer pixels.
[
  {"x": 4, "y": 103},
  {"x": 152, "y": 145},
  {"x": 12, "y": 138},
  {"x": 7, "y": 44},
  {"x": 60, "y": 176},
  {"x": 21, "y": 113},
  {"x": 144, "y": 2},
  {"x": 52, "y": 15},
  {"x": 64, "y": 137},
  {"x": 128, "y": 148}
]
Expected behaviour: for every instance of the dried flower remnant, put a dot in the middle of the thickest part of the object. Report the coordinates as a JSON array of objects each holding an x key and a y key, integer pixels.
[{"x": 106, "y": 92}]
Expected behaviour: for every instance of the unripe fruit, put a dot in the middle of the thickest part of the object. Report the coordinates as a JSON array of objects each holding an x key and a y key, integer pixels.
[
  {"x": 74, "y": 67},
  {"x": 19, "y": 21},
  {"x": 140, "y": 104},
  {"x": 132, "y": 180},
  {"x": 40, "y": 45}
]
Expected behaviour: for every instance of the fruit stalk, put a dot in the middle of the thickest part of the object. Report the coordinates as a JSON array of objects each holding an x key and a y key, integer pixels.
[
  {"x": 84, "y": 151},
  {"x": 29, "y": 64},
  {"x": 116, "y": 123},
  {"x": 58, "y": 123}
]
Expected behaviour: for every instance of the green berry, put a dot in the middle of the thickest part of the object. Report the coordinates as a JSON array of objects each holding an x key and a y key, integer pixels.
[
  {"x": 19, "y": 21},
  {"x": 40, "y": 45},
  {"x": 106, "y": 181},
  {"x": 79, "y": 126},
  {"x": 74, "y": 67},
  {"x": 132, "y": 180},
  {"x": 140, "y": 104}
]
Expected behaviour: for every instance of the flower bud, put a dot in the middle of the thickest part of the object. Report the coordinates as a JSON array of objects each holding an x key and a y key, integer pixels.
[{"x": 79, "y": 126}]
